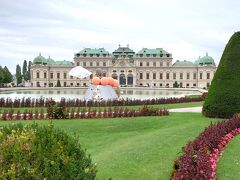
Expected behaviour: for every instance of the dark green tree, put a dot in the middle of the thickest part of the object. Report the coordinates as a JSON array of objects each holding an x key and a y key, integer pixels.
[
  {"x": 1, "y": 76},
  {"x": 7, "y": 75},
  {"x": 223, "y": 98},
  {"x": 24, "y": 70},
  {"x": 18, "y": 74},
  {"x": 29, "y": 70},
  {"x": 175, "y": 84},
  {"x": 58, "y": 83}
]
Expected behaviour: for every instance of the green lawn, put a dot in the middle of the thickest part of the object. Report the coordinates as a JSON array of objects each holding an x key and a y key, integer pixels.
[
  {"x": 229, "y": 163},
  {"x": 134, "y": 148},
  {"x": 167, "y": 106}
]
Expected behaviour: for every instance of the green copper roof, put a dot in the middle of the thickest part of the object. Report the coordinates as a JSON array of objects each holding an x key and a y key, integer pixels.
[
  {"x": 125, "y": 50},
  {"x": 64, "y": 62},
  {"x": 205, "y": 60},
  {"x": 42, "y": 60},
  {"x": 88, "y": 51},
  {"x": 156, "y": 51},
  {"x": 39, "y": 59},
  {"x": 183, "y": 63}
]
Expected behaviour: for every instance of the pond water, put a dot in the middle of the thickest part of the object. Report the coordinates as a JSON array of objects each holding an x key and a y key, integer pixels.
[{"x": 78, "y": 93}]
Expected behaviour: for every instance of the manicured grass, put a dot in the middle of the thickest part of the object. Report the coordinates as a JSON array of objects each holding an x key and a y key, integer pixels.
[
  {"x": 229, "y": 163},
  {"x": 167, "y": 106},
  {"x": 134, "y": 148}
]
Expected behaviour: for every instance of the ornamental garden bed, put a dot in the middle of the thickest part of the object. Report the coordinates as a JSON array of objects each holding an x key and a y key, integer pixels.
[{"x": 200, "y": 156}]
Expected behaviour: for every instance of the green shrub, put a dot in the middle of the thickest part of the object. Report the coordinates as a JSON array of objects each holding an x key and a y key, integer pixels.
[
  {"x": 42, "y": 152},
  {"x": 223, "y": 98}
]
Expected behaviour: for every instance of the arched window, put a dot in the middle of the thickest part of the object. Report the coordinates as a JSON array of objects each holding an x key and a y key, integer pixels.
[{"x": 130, "y": 79}]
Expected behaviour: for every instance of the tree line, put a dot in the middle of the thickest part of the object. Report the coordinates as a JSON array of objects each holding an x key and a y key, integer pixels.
[
  {"x": 5, "y": 76},
  {"x": 24, "y": 72},
  {"x": 21, "y": 74}
]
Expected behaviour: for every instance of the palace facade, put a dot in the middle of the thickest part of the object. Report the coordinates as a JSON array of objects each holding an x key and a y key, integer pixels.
[{"x": 148, "y": 67}]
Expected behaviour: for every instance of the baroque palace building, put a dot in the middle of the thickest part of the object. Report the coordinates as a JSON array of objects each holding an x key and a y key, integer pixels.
[{"x": 148, "y": 67}]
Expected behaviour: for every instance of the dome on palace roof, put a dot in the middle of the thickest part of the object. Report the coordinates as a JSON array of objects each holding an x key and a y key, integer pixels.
[
  {"x": 205, "y": 60},
  {"x": 40, "y": 59}
]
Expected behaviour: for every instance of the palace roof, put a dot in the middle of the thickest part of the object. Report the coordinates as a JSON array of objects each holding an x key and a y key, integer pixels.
[{"x": 205, "y": 60}]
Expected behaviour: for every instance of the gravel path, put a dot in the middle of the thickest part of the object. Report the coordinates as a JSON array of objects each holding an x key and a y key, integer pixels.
[{"x": 192, "y": 109}]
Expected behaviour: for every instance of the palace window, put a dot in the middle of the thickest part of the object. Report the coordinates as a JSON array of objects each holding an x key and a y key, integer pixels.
[
  {"x": 208, "y": 75},
  {"x": 97, "y": 64},
  {"x": 161, "y": 64},
  {"x": 174, "y": 75},
  {"x": 38, "y": 75},
  {"x": 154, "y": 64},
  {"x": 65, "y": 75},
  {"x": 188, "y": 76},
  {"x": 147, "y": 75},
  {"x": 91, "y": 63},
  {"x": 154, "y": 75},
  {"x": 181, "y": 75},
  {"x": 58, "y": 75},
  {"x": 141, "y": 75},
  {"x": 141, "y": 64},
  {"x": 104, "y": 63},
  {"x": 168, "y": 63},
  {"x": 194, "y": 75},
  {"x": 200, "y": 76},
  {"x": 161, "y": 76},
  {"x": 84, "y": 63},
  {"x": 77, "y": 63},
  {"x": 51, "y": 75},
  {"x": 147, "y": 63},
  {"x": 45, "y": 75},
  {"x": 167, "y": 76}
]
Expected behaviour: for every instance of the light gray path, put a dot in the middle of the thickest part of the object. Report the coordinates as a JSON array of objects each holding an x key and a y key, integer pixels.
[{"x": 192, "y": 109}]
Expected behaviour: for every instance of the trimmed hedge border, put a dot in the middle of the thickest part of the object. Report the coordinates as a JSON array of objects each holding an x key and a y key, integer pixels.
[
  {"x": 72, "y": 113},
  {"x": 200, "y": 156},
  {"x": 43, "y": 102}
]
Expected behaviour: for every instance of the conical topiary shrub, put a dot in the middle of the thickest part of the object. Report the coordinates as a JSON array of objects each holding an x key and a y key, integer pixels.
[{"x": 223, "y": 98}]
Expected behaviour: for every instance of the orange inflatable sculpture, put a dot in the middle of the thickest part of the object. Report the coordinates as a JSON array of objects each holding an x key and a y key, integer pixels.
[
  {"x": 104, "y": 81},
  {"x": 115, "y": 83},
  {"x": 110, "y": 81},
  {"x": 96, "y": 80}
]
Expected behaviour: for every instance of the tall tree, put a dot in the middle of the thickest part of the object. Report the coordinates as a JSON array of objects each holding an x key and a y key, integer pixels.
[
  {"x": 18, "y": 74},
  {"x": 223, "y": 98},
  {"x": 29, "y": 70},
  {"x": 7, "y": 75},
  {"x": 24, "y": 70},
  {"x": 1, "y": 75}
]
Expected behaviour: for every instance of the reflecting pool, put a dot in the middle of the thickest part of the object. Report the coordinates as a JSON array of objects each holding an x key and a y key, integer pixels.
[{"x": 133, "y": 93}]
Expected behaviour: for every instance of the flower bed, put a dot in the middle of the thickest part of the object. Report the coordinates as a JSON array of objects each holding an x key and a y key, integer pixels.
[
  {"x": 55, "y": 112},
  {"x": 200, "y": 156},
  {"x": 42, "y": 102}
]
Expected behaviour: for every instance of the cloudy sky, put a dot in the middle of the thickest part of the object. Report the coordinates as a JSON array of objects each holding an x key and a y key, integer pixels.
[{"x": 57, "y": 28}]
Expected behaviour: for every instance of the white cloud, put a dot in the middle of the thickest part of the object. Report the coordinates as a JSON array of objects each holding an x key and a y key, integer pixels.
[{"x": 60, "y": 28}]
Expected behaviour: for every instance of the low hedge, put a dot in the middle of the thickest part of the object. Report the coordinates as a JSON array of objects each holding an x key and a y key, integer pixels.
[{"x": 42, "y": 152}]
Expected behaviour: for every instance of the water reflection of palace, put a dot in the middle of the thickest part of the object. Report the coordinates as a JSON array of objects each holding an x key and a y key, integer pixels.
[{"x": 147, "y": 67}]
